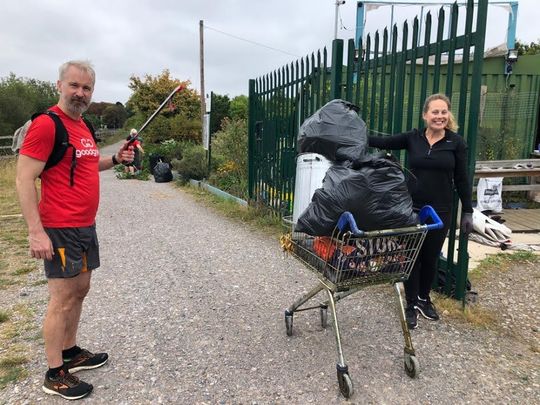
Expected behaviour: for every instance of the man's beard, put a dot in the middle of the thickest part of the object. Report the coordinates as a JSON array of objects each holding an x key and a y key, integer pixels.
[{"x": 77, "y": 105}]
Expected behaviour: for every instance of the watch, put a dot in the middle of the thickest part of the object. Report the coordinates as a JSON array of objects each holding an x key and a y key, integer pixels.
[{"x": 114, "y": 161}]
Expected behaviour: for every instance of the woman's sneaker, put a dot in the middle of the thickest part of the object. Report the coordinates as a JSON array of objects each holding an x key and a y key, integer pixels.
[
  {"x": 85, "y": 361},
  {"x": 411, "y": 316},
  {"x": 66, "y": 385},
  {"x": 427, "y": 309}
]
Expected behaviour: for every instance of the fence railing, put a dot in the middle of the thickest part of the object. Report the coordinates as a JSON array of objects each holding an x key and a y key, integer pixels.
[
  {"x": 387, "y": 83},
  {"x": 5, "y": 145},
  {"x": 5, "y": 141}
]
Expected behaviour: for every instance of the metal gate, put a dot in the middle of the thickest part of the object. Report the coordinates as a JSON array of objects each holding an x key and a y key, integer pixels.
[{"x": 387, "y": 82}]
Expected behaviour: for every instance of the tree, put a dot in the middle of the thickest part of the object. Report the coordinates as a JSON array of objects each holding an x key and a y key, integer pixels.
[
  {"x": 220, "y": 110},
  {"x": 114, "y": 116},
  {"x": 239, "y": 108},
  {"x": 179, "y": 120},
  {"x": 22, "y": 97},
  {"x": 532, "y": 48},
  {"x": 108, "y": 114}
]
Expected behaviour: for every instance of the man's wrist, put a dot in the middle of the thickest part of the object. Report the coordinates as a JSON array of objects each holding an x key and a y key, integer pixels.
[{"x": 114, "y": 160}]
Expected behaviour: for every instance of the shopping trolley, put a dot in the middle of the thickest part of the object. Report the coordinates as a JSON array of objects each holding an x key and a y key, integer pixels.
[{"x": 352, "y": 259}]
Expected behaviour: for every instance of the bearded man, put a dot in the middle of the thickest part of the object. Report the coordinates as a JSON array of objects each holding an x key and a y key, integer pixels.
[{"x": 61, "y": 224}]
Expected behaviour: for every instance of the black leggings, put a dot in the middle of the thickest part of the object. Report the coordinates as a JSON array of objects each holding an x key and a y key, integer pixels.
[{"x": 423, "y": 272}]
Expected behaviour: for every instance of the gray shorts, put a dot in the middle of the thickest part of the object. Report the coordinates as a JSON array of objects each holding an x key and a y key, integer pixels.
[{"x": 76, "y": 250}]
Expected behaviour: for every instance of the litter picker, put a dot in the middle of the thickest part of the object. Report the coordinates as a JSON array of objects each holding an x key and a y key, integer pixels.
[{"x": 149, "y": 120}]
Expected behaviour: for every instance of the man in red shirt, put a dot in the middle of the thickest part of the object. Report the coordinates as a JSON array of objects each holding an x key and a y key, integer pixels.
[{"x": 61, "y": 227}]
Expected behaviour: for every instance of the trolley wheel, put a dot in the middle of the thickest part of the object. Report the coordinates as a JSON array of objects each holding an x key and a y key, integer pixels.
[
  {"x": 412, "y": 367},
  {"x": 345, "y": 384},
  {"x": 324, "y": 317},
  {"x": 288, "y": 322}
]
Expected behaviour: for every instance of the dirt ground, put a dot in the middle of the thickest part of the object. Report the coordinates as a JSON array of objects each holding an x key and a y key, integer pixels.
[{"x": 190, "y": 307}]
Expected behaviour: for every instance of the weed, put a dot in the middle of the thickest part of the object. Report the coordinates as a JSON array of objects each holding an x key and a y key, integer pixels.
[
  {"x": 9, "y": 374},
  {"x": 4, "y": 316},
  {"x": 473, "y": 313},
  {"x": 11, "y": 368},
  {"x": 13, "y": 361},
  {"x": 501, "y": 262},
  {"x": 23, "y": 270}
]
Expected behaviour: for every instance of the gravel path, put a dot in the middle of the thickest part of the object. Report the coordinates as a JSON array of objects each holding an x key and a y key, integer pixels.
[{"x": 189, "y": 306}]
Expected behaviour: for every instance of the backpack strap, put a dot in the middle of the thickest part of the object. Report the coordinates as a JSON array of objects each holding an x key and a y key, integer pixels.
[
  {"x": 91, "y": 129},
  {"x": 61, "y": 145}
]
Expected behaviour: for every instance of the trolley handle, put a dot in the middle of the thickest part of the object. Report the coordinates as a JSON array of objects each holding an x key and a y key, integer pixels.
[
  {"x": 428, "y": 213},
  {"x": 346, "y": 221}
]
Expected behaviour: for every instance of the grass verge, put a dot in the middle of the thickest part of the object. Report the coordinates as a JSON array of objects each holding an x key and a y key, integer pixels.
[
  {"x": 474, "y": 313},
  {"x": 17, "y": 321},
  {"x": 501, "y": 262},
  {"x": 257, "y": 217}
]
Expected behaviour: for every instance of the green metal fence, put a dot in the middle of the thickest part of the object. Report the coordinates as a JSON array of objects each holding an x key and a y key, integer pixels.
[
  {"x": 509, "y": 109},
  {"x": 387, "y": 83}
]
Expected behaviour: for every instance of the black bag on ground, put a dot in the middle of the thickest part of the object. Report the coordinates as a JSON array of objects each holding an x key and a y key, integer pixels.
[
  {"x": 335, "y": 131},
  {"x": 162, "y": 172},
  {"x": 441, "y": 281},
  {"x": 375, "y": 193},
  {"x": 153, "y": 159}
]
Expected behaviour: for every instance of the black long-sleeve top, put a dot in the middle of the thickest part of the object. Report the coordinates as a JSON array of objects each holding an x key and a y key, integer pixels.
[{"x": 437, "y": 169}]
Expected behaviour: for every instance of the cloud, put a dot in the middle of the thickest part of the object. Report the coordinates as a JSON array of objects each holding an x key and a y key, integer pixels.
[{"x": 124, "y": 38}]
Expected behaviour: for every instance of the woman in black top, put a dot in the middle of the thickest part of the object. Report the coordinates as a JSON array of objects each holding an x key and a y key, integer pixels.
[{"x": 437, "y": 159}]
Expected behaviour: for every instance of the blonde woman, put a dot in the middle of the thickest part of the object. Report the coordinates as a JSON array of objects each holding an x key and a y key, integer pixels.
[{"x": 437, "y": 158}]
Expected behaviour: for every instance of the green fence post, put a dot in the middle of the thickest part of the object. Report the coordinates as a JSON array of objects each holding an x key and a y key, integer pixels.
[
  {"x": 337, "y": 69},
  {"x": 251, "y": 137},
  {"x": 474, "y": 111}
]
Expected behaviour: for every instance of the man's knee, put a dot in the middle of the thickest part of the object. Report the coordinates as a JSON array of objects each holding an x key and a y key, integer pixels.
[
  {"x": 82, "y": 286},
  {"x": 70, "y": 290}
]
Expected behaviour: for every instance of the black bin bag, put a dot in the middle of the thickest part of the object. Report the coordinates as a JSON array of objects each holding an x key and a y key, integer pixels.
[
  {"x": 373, "y": 190},
  {"x": 335, "y": 131},
  {"x": 153, "y": 159},
  {"x": 162, "y": 172}
]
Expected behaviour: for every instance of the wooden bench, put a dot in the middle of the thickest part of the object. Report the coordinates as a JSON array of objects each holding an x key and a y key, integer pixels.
[{"x": 529, "y": 168}]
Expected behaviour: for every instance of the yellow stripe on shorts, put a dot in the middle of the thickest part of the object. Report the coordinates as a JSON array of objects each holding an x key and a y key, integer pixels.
[
  {"x": 62, "y": 253},
  {"x": 84, "y": 263}
]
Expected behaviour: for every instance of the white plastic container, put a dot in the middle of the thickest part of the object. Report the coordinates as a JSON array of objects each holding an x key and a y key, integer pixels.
[{"x": 310, "y": 171}]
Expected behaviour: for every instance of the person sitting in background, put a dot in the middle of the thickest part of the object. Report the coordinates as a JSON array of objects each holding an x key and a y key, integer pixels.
[{"x": 437, "y": 158}]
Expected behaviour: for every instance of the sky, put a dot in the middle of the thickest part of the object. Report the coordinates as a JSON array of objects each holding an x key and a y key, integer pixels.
[{"x": 242, "y": 39}]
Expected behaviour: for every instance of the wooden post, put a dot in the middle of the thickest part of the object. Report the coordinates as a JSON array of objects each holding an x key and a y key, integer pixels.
[{"x": 201, "y": 57}]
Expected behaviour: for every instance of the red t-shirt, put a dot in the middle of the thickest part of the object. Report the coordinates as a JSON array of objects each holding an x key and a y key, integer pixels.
[{"x": 62, "y": 205}]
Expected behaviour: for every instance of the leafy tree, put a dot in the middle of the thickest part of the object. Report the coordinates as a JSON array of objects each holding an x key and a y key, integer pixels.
[
  {"x": 114, "y": 116},
  {"x": 108, "y": 114},
  {"x": 239, "y": 108},
  {"x": 179, "y": 120},
  {"x": 22, "y": 97},
  {"x": 532, "y": 48},
  {"x": 97, "y": 108},
  {"x": 220, "y": 110}
]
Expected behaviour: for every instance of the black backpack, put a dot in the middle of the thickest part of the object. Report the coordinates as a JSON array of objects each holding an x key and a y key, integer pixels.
[{"x": 61, "y": 142}]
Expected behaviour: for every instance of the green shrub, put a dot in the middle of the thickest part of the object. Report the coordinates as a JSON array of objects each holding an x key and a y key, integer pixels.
[
  {"x": 193, "y": 164},
  {"x": 230, "y": 158},
  {"x": 227, "y": 180},
  {"x": 169, "y": 149}
]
